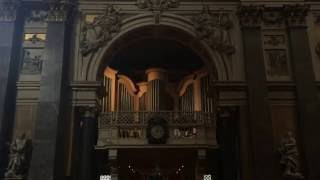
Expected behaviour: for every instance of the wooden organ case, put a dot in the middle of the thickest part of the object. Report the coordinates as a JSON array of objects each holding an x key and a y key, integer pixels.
[{"x": 130, "y": 107}]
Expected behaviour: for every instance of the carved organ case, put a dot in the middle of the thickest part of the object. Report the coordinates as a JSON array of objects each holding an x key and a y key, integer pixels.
[{"x": 157, "y": 93}]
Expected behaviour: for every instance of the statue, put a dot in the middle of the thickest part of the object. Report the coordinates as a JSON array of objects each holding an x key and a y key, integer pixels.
[
  {"x": 290, "y": 158},
  {"x": 17, "y": 158}
]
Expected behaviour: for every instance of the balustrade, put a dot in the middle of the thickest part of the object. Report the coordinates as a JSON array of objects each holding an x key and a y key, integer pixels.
[{"x": 129, "y": 128}]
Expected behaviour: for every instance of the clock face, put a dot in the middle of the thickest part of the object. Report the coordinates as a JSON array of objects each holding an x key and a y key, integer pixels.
[{"x": 157, "y": 132}]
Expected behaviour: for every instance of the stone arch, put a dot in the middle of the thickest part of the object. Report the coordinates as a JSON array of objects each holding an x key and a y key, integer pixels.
[{"x": 172, "y": 27}]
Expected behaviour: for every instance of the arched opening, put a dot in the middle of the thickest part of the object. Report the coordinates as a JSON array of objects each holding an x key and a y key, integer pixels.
[
  {"x": 156, "y": 80},
  {"x": 211, "y": 59}
]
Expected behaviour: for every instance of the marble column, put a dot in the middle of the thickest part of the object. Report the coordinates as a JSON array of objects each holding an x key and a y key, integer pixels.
[
  {"x": 308, "y": 103},
  {"x": 88, "y": 134},
  {"x": 11, "y": 28},
  {"x": 259, "y": 114},
  {"x": 47, "y": 147}
]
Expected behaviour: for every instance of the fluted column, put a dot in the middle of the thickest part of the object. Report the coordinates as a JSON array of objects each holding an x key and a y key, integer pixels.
[
  {"x": 306, "y": 89},
  {"x": 47, "y": 158},
  {"x": 259, "y": 113},
  {"x": 11, "y": 30},
  {"x": 88, "y": 134}
]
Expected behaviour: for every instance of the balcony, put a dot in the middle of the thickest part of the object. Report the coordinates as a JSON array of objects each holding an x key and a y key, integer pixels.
[{"x": 129, "y": 129}]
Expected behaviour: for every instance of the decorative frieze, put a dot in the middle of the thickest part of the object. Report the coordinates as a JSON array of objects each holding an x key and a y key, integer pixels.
[
  {"x": 158, "y": 5},
  {"x": 213, "y": 29},
  {"x": 250, "y": 16},
  {"x": 8, "y": 11},
  {"x": 100, "y": 31},
  {"x": 296, "y": 15}
]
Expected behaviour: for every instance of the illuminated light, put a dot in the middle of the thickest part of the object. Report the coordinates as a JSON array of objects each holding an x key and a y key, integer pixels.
[
  {"x": 207, "y": 177},
  {"x": 105, "y": 177}
]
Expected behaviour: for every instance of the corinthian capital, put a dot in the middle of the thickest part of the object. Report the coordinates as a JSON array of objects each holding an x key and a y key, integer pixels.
[
  {"x": 8, "y": 10},
  {"x": 296, "y": 15},
  {"x": 58, "y": 11},
  {"x": 250, "y": 16}
]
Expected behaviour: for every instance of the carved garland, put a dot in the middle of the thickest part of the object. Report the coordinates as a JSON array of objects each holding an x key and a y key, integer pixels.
[
  {"x": 98, "y": 33},
  {"x": 158, "y": 5},
  {"x": 213, "y": 29}
]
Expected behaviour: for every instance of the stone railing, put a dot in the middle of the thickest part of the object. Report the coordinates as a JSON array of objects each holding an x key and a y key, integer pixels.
[{"x": 129, "y": 128}]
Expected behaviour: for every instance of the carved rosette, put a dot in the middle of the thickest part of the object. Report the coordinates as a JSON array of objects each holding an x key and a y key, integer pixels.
[
  {"x": 8, "y": 11},
  {"x": 296, "y": 15},
  {"x": 58, "y": 12},
  {"x": 98, "y": 33},
  {"x": 213, "y": 28},
  {"x": 158, "y": 5},
  {"x": 250, "y": 16}
]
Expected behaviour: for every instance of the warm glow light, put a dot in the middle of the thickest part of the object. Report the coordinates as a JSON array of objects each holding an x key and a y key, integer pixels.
[
  {"x": 207, "y": 177},
  {"x": 105, "y": 177}
]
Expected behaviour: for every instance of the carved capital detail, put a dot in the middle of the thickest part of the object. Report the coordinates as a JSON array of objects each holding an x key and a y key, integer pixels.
[
  {"x": 213, "y": 28},
  {"x": 250, "y": 16},
  {"x": 296, "y": 15},
  {"x": 273, "y": 17},
  {"x": 158, "y": 5},
  {"x": 100, "y": 31},
  {"x": 8, "y": 11},
  {"x": 58, "y": 12}
]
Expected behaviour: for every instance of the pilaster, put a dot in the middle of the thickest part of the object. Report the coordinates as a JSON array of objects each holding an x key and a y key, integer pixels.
[
  {"x": 306, "y": 88},
  {"x": 46, "y": 161},
  {"x": 259, "y": 114},
  {"x": 10, "y": 43}
]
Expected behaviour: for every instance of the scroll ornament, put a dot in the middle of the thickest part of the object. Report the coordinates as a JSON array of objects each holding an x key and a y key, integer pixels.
[
  {"x": 98, "y": 33},
  {"x": 213, "y": 29}
]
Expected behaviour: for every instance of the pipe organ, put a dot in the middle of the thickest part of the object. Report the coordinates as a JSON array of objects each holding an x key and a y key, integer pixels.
[{"x": 157, "y": 93}]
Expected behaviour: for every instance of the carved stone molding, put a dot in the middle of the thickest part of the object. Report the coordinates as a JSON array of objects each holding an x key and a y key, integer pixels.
[
  {"x": 158, "y": 5},
  {"x": 98, "y": 33},
  {"x": 213, "y": 28},
  {"x": 250, "y": 16},
  {"x": 8, "y": 11},
  {"x": 296, "y": 15},
  {"x": 58, "y": 12},
  {"x": 37, "y": 16}
]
